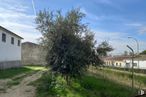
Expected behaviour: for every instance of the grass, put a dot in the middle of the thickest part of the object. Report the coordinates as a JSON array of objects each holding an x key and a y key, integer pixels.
[
  {"x": 137, "y": 77},
  {"x": 10, "y": 73},
  {"x": 16, "y": 75},
  {"x": 88, "y": 86}
]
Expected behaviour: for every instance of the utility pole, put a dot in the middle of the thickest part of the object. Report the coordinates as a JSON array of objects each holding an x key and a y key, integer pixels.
[{"x": 132, "y": 66}]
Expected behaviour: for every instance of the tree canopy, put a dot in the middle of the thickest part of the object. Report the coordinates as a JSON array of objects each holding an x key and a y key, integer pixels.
[
  {"x": 143, "y": 52},
  {"x": 70, "y": 44}
]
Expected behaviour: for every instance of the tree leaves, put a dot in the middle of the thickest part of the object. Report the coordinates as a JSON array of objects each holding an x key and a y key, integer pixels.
[{"x": 69, "y": 42}]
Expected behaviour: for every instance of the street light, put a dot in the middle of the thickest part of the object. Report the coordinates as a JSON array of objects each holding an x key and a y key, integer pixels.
[
  {"x": 136, "y": 43},
  {"x": 132, "y": 66},
  {"x": 137, "y": 47}
]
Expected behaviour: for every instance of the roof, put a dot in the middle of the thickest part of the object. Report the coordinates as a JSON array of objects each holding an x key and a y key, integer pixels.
[
  {"x": 10, "y": 32},
  {"x": 141, "y": 57},
  {"x": 121, "y": 58},
  {"x": 117, "y": 58}
]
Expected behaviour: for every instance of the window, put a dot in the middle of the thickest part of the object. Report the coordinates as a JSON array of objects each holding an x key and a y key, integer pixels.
[
  {"x": 3, "y": 37},
  {"x": 116, "y": 64},
  {"x": 120, "y": 64},
  {"x": 18, "y": 42},
  {"x": 12, "y": 40},
  {"x": 127, "y": 63},
  {"x": 135, "y": 64}
]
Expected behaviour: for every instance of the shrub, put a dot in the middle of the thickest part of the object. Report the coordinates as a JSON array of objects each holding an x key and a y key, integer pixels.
[{"x": 50, "y": 85}]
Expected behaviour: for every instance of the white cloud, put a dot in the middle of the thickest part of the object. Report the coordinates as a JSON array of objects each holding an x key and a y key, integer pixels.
[
  {"x": 104, "y": 1},
  {"x": 134, "y": 24},
  {"x": 91, "y": 16},
  {"x": 110, "y": 3},
  {"x": 15, "y": 17},
  {"x": 119, "y": 41},
  {"x": 142, "y": 30}
]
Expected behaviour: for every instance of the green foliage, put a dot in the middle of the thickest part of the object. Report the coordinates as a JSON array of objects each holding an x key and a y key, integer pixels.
[
  {"x": 50, "y": 85},
  {"x": 9, "y": 73},
  {"x": 121, "y": 73},
  {"x": 70, "y": 44},
  {"x": 143, "y": 52},
  {"x": 103, "y": 48},
  {"x": 105, "y": 88},
  {"x": 88, "y": 86}
]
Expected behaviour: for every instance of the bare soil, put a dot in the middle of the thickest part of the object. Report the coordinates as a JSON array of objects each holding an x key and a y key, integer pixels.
[{"x": 23, "y": 89}]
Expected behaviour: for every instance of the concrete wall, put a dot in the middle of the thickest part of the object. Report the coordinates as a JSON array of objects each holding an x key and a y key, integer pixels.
[
  {"x": 33, "y": 54},
  {"x": 8, "y": 51}
]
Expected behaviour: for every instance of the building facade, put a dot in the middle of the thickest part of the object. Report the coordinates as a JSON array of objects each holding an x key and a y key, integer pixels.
[
  {"x": 139, "y": 62},
  {"x": 126, "y": 62},
  {"x": 10, "y": 49}
]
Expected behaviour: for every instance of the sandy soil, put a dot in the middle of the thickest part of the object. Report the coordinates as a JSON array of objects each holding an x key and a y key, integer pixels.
[{"x": 23, "y": 89}]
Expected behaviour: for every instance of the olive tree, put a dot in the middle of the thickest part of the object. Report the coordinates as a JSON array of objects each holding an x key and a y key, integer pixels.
[{"x": 70, "y": 44}]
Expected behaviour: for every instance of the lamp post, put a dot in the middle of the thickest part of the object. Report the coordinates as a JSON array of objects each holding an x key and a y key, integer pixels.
[
  {"x": 137, "y": 43},
  {"x": 132, "y": 66}
]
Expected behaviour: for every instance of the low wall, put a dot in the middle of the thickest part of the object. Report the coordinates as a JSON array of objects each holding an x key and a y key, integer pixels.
[{"x": 10, "y": 64}]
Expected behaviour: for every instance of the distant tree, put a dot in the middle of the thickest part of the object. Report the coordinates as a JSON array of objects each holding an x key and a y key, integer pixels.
[
  {"x": 103, "y": 49},
  {"x": 125, "y": 53},
  {"x": 70, "y": 44},
  {"x": 143, "y": 52}
]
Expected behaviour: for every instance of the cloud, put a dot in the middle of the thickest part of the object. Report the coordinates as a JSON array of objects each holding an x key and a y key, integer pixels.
[
  {"x": 109, "y": 3},
  {"x": 15, "y": 17},
  {"x": 142, "y": 30},
  {"x": 90, "y": 16},
  {"x": 118, "y": 40},
  {"x": 134, "y": 24},
  {"x": 103, "y": 1}
]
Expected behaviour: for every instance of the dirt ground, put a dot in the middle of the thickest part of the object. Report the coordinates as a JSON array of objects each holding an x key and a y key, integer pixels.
[{"x": 23, "y": 89}]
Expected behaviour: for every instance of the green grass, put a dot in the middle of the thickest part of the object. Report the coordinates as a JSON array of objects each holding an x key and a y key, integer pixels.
[
  {"x": 16, "y": 75},
  {"x": 138, "y": 78},
  {"x": 88, "y": 86},
  {"x": 12, "y": 83},
  {"x": 10, "y": 73}
]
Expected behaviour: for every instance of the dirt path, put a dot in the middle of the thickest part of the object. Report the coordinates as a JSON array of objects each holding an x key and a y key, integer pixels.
[{"x": 23, "y": 89}]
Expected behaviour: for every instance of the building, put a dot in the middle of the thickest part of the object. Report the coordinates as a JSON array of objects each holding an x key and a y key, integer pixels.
[
  {"x": 33, "y": 54},
  {"x": 126, "y": 62},
  {"x": 109, "y": 61},
  {"x": 10, "y": 49},
  {"x": 139, "y": 62},
  {"x": 116, "y": 61}
]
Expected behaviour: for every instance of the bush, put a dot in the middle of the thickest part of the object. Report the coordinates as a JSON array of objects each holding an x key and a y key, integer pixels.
[{"x": 50, "y": 85}]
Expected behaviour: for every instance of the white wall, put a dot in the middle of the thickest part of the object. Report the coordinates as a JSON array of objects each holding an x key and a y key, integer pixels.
[
  {"x": 8, "y": 51},
  {"x": 142, "y": 64}
]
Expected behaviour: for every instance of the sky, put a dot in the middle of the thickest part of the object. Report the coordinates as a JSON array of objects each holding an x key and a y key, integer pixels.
[{"x": 111, "y": 20}]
